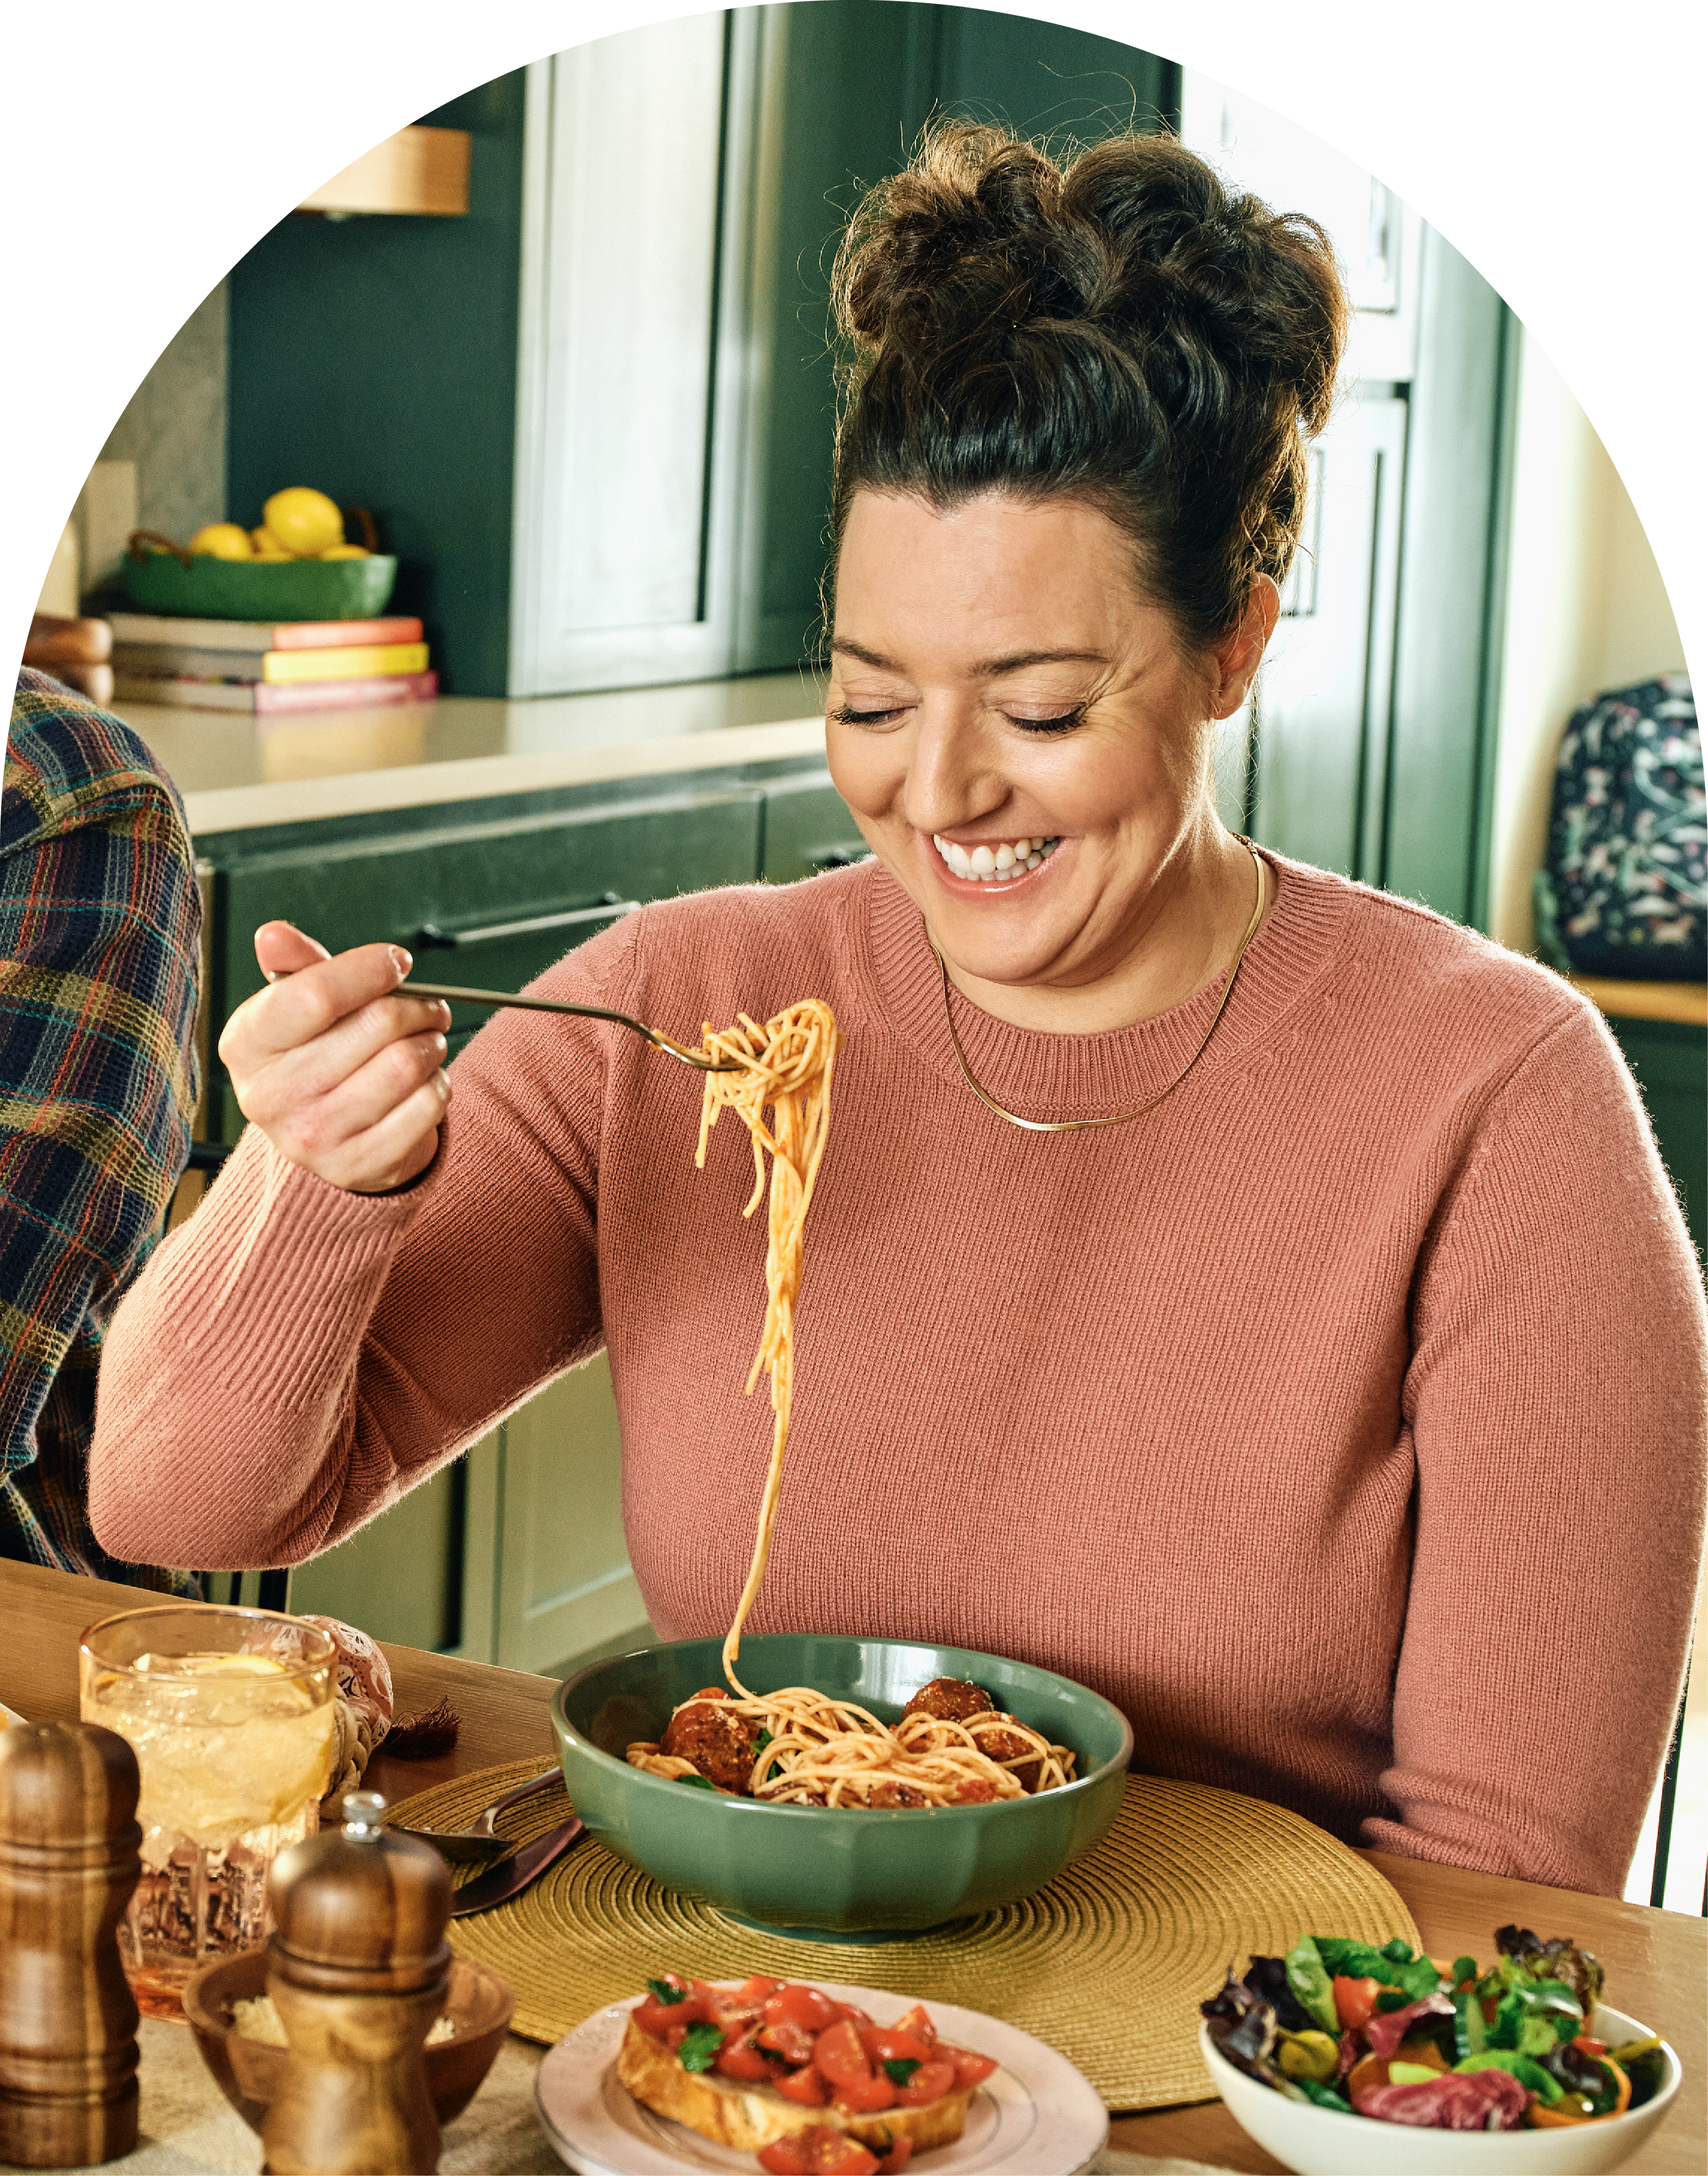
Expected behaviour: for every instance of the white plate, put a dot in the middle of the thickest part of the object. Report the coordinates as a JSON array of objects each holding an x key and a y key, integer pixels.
[
  {"x": 1035, "y": 2116},
  {"x": 11, "y": 1714}
]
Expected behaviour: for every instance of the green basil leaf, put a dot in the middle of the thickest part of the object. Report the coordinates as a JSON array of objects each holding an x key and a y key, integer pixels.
[
  {"x": 700, "y": 2047},
  {"x": 698, "y": 1782},
  {"x": 666, "y": 1993},
  {"x": 900, "y": 2069}
]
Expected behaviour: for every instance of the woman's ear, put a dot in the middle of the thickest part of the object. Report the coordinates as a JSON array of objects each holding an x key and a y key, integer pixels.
[{"x": 1235, "y": 659}]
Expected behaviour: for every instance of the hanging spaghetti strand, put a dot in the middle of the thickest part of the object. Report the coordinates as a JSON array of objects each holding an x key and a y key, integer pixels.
[{"x": 787, "y": 1065}]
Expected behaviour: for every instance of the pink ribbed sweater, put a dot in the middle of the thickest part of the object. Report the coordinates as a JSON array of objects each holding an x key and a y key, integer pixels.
[{"x": 1343, "y": 1418}]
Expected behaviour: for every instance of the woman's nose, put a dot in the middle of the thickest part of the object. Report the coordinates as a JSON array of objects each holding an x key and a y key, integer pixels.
[{"x": 951, "y": 779}]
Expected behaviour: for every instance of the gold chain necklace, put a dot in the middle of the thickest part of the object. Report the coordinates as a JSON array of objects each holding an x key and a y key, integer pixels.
[{"x": 1120, "y": 1117}]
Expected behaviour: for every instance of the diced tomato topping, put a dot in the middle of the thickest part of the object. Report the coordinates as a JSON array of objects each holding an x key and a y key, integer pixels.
[
  {"x": 852, "y": 2011},
  {"x": 796, "y": 2003},
  {"x": 793, "y": 2042},
  {"x": 655, "y": 2017},
  {"x": 900, "y": 2154},
  {"x": 929, "y": 2082},
  {"x": 836, "y": 2155},
  {"x": 804, "y": 2086},
  {"x": 759, "y": 1989},
  {"x": 884, "y": 2045},
  {"x": 866, "y": 2095},
  {"x": 840, "y": 2056},
  {"x": 1355, "y": 2002},
  {"x": 739, "y": 2058},
  {"x": 970, "y": 2070},
  {"x": 915, "y": 2022}
]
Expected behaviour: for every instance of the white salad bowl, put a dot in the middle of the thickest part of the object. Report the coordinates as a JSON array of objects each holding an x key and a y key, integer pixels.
[{"x": 1317, "y": 2142}]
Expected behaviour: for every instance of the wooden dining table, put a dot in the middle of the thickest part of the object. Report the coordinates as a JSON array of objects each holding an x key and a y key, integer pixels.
[{"x": 1657, "y": 1962}]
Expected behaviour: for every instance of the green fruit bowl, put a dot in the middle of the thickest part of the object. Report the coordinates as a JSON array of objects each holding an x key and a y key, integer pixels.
[
  {"x": 263, "y": 590},
  {"x": 828, "y": 1871}
]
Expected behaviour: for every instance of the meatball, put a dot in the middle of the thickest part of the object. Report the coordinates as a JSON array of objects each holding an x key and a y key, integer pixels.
[
  {"x": 723, "y": 1746},
  {"x": 1003, "y": 1746},
  {"x": 950, "y": 1700}
]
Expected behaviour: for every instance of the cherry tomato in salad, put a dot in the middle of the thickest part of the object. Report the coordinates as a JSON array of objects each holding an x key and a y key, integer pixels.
[
  {"x": 916, "y": 2022},
  {"x": 1355, "y": 2002},
  {"x": 804, "y": 2086},
  {"x": 929, "y": 2083},
  {"x": 839, "y": 2055}
]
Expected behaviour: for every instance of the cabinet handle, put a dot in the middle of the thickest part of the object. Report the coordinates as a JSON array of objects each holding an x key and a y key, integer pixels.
[
  {"x": 843, "y": 855},
  {"x": 431, "y": 938}
]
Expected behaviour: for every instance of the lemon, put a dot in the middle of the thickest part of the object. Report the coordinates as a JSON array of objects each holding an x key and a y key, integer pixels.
[
  {"x": 344, "y": 552},
  {"x": 267, "y": 547},
  {"x": 303, "y": 521},
  {"x": 221, "y": 539}
]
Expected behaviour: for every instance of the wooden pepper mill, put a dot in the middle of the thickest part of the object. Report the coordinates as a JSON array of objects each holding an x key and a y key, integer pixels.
[
  {"x": 68, "y": 1846},
  {"x": 358, "y": 1967}
]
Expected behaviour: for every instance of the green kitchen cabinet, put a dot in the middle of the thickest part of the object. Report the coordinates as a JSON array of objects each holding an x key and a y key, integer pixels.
[{"x": 808, "y": 828}]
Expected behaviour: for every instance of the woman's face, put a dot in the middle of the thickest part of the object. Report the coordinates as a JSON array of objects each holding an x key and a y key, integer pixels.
[{"x": 1024, "y": 740}]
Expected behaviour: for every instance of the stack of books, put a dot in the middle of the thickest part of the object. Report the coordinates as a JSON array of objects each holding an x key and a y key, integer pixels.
[{"x": 267, "y": 670}]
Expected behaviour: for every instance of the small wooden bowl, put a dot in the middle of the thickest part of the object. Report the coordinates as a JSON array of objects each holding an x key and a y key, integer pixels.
[{"x": 248, "y": 2071}]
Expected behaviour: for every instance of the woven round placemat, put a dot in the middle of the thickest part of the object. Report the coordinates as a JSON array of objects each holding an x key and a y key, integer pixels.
[{"x": 1108, "y": 1964}]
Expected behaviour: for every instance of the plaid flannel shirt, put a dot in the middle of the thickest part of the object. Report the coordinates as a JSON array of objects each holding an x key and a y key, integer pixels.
[{"x": 100, "y": 933}]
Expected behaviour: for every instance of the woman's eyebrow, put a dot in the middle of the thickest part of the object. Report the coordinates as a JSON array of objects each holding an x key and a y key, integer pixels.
[{"x": 986, "y": 668}]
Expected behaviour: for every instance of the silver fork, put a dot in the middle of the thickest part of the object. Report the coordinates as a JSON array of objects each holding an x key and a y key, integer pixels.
[
  {"x": 477, "y": 1845},
  {"x": 655, "y": 1036}
]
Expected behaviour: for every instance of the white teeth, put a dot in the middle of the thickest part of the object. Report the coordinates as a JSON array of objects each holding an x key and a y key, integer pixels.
[{"x": 1002, "y": 864}]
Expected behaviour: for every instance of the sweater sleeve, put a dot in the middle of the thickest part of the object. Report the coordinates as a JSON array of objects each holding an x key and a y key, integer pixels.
[
  {"x": 295, "y": 1356},
  {"x": 1558, "y": 1396}
]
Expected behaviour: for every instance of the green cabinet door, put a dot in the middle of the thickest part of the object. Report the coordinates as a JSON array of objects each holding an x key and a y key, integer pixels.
[{"x": 808, "y": 828}]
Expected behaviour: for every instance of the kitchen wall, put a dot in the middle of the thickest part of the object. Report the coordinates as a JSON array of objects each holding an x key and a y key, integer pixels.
[
  {"x": 1585, "y": 611},
  {"x": 163, "y": 465},
  {"x": 375, "y": 358}
]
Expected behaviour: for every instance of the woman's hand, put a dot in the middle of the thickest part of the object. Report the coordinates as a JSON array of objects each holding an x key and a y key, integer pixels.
[{"x": 342, "y": 1077}]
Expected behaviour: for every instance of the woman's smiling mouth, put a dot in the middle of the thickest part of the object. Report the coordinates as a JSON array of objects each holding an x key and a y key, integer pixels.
[{"x": 994, "y": 861}]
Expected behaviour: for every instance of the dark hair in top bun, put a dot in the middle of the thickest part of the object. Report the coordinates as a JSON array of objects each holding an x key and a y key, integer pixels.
[{"x": 1118, "y": 329}]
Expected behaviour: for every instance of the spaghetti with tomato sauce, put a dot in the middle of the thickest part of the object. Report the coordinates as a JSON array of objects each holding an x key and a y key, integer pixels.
[{"x": 796, "y": 1746}]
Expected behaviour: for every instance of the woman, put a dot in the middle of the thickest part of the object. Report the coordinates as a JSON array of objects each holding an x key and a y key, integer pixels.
[{"x": 1325, "y": 1387}]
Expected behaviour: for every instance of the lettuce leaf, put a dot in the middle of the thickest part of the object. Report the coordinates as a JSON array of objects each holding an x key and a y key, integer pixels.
[{"x": 1308, "y": 1978}]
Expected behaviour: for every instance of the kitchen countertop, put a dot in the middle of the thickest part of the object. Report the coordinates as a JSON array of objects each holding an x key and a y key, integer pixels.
[{"x": 237, "y": 772}]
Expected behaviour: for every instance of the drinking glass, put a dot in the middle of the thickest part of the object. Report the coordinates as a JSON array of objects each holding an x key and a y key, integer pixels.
[{"x": 230, "y": 1713}]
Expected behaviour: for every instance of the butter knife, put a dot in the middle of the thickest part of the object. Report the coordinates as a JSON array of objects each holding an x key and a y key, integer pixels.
[{"x": 509, "y": 1879}]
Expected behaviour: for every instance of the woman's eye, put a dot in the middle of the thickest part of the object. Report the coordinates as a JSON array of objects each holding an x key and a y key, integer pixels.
[
  {"x": 1064, "y": 722},
  {"x": 844, "y": 716}
]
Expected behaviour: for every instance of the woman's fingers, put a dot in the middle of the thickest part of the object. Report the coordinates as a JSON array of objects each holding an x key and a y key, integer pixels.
[
  {"x": 399, "y": 1145},
  {"x": 342, "y": 1074},
  {"x": 282, "y": 947}
]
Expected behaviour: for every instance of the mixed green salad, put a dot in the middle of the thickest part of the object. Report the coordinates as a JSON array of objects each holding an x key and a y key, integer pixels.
[{"x": 1389, "y": 2034}]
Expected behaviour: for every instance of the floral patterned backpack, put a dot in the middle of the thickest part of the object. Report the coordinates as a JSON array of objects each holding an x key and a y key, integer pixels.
[{"x": 1625, "y": 891}]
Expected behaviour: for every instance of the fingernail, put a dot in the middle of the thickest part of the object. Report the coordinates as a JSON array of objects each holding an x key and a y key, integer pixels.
[{"x": 400, "y": 960}]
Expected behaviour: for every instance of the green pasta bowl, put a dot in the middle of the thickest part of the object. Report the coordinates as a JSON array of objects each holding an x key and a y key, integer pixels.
[{"x": 831, "y": 1871}]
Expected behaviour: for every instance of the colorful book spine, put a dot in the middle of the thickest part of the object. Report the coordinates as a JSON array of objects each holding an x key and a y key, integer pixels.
[
  {"x": 264, "y": 698},
  {"x": 258, "y": 636},
  {"x": 282, "y": 666}
]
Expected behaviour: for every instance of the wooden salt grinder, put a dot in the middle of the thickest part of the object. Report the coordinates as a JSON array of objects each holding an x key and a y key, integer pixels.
[
  {"x": 358, "y": 1968},
  {"x": 68, "y": 1845}
]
